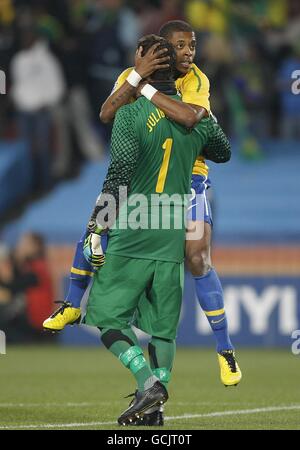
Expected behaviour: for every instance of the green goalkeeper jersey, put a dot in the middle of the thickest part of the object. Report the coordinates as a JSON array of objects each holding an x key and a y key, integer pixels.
[{"x": 154, "y": 158}]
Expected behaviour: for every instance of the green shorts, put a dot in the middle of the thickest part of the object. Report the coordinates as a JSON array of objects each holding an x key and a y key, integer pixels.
[{"x": 142, "y": 292}]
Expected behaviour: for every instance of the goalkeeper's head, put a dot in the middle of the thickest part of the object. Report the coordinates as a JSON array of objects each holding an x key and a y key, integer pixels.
[{"x": 160, "y": 75}]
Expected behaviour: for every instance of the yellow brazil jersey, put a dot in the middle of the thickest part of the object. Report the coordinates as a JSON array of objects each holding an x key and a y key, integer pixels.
[{"x": 193, "y": 88}]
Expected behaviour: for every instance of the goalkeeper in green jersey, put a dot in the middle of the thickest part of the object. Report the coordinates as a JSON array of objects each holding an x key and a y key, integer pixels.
[{"x": 153, "y": 158}]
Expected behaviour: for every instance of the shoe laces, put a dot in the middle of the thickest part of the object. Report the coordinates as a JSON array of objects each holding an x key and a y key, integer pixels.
[
  {"x": 130, "y": 395},
  {"x": 134, "y": 395},
  {"x": 61, "y": 309},
  {"x": 229, "y": 356}
]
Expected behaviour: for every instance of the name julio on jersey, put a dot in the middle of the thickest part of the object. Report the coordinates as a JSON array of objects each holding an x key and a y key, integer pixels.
[{"x": 154, "y": 118}]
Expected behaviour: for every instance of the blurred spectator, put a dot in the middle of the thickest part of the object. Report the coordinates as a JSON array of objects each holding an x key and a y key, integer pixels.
[
  {"x": 216, "y": 60},
  {"x": 26, "y": 291},
  {"x": 289, "y": 101},
  {"x": 6, "y": 274},
  {"x": 7, "y": 12},
  {"x": 74, "y": 118},
  {"x": 207, "y": 16},
  {"x": 112, "y": 32},
  {"x": 152, "y": 17},
  {"x": 13, "y": 284},
  {"x": 37, "y": 86},
  {"x": 30, "y": 259},
  {"x": 7, "y": 15},
  {"x": 252, "y": 76}
]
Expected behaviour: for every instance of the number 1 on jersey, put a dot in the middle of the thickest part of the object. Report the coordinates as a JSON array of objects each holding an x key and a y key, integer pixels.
[{"x": 167, "y": 146}]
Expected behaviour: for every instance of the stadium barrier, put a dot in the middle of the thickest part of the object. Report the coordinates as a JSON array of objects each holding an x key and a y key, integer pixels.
[{"x": 261, "y": 290}]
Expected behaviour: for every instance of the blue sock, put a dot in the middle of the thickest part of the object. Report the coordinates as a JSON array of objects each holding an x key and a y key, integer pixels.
[
  {"x": 81, "y": 273},
  {"x": 210, "y": 296},
  {"x": 80, "y": 276}
]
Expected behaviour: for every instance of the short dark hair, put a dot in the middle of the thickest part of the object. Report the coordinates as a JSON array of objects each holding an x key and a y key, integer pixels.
[
  {"x": 172, "y": 26},
  {"x": 161, "y": 74},
  {"x": 147, "y": 41}
]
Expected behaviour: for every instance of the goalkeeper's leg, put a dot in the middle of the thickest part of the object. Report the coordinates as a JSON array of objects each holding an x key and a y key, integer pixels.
[
  {"x": 161, "y": 356},
  {"x": 150, "y": 391}
]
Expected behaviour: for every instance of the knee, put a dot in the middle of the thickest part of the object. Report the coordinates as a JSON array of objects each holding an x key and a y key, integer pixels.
[{"x": 198, "y": 263}]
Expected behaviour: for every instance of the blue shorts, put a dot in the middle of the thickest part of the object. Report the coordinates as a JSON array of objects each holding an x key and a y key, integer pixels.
[{"x": 199, "y": 208}]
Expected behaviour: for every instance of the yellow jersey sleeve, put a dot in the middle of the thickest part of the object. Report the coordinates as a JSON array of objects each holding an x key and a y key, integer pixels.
[
  {"x": 121, "y": 79},
  {"x": 194, "y": 88}
]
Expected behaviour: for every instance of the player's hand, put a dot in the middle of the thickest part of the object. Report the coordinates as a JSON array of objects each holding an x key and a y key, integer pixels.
[
  {"x": 151, "y": 61},
  {"x": 92, "y": 250}
]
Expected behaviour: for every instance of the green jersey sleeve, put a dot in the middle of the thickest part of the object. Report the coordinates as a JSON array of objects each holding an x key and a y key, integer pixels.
[
  {"x": 124, "y": 152},
  {"x": 215, "y": 145},
  {"x": 217, "y": 148},
  {"x": 124, "y": 155}
]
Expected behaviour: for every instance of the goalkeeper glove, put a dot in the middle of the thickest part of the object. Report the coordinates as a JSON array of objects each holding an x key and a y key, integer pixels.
[{"x": 92, "y": 250}]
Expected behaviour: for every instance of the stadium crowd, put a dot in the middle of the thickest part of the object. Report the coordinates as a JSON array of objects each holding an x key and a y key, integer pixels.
[{"x": 247, "y": 49}]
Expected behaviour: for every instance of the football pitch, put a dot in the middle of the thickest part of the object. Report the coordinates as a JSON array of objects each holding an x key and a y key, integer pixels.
[{"x": 83, "y": 388}]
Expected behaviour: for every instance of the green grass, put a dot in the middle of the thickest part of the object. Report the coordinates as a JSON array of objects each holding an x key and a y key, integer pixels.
[{"x": 59, "y": 386}]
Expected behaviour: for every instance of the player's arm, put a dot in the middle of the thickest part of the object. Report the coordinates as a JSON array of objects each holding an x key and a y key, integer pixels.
[
  {"x": 126, "y": 89},
  {"x": 124, "y": 158},
  {"x": 182, "y": 113},
  {"x": 123, "y": 163},
  {"x": 120, "y": 96},
  {"x": 195, "y": 100}
]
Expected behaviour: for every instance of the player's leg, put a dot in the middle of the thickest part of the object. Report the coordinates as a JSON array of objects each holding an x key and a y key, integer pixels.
[
  {"x": 161, "y": 354},
  {"x": 161, "y": 357},
  {"x": 158, "y": 314},
  {"x": 207, "y": 283},
  {"x": 124, "y": 345},
  {"x": 81, "y": 274},
  {"x": 111, "y": 305},
  {"x": 208, "y": 287}
]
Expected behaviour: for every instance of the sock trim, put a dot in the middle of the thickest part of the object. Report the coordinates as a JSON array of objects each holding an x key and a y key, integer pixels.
[
  {"x": 163, "y": 374},
  {"x": 130, "y": 354},
  {"x": 137, "y": 364},
  {"x": 110, "y": 337},
  {"x": 81, "y": 272},
  {"x": 216, "y": 312}
]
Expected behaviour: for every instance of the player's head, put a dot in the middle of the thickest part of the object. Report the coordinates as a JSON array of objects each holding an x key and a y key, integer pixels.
[
  {"x": 182, "y": 36},
  {"x": 146, "y": 42},
  {"x": 30, "y": 246}
]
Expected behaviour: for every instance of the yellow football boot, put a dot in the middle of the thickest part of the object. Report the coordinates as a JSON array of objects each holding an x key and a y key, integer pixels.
[
  {"x": 65, "y": 315},
  {"x": 231, "y": 374}
]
